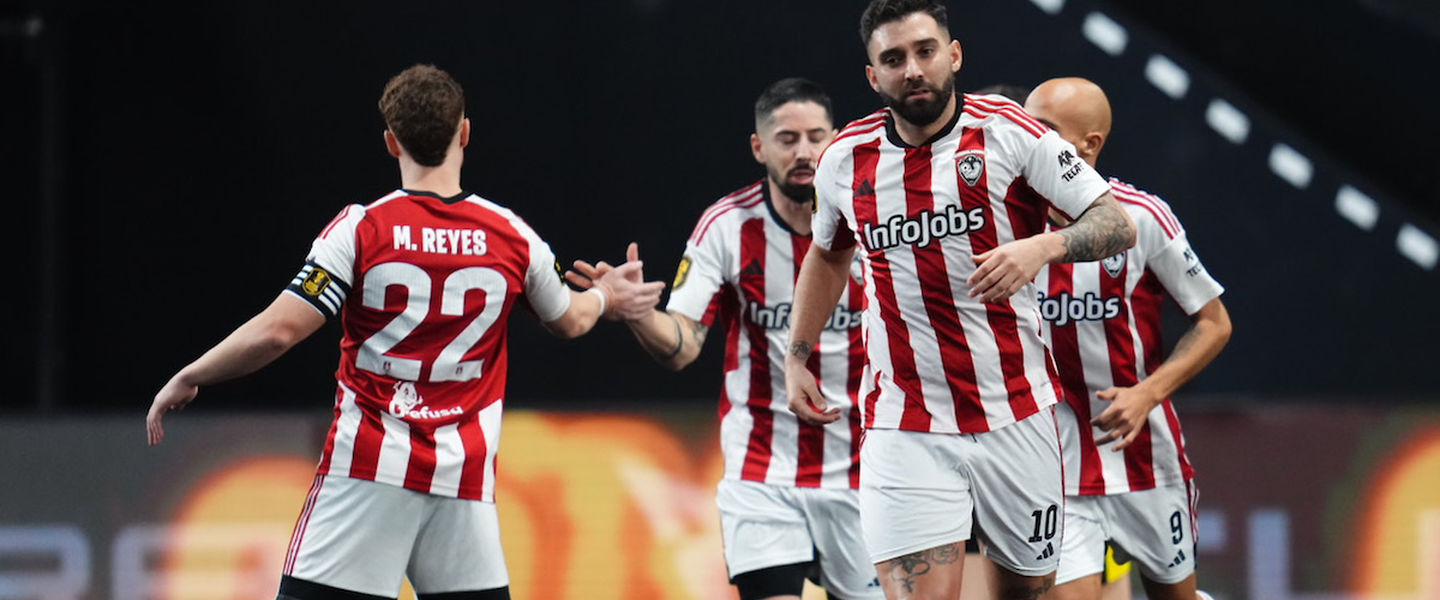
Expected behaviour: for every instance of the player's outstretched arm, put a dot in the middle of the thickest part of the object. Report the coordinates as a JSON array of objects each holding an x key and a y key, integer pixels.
[
  {"x": 822, "y": 278},
  {"x": 1103, "y": 230},
  {"x": 619, "y": 293},
  {"x": 253, "y": 345},
  {"x": 673, "y": 340},
  {"x": 1129, "y": 407}
]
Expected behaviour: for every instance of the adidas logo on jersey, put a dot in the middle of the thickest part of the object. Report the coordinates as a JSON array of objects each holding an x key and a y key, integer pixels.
[
  {"x": 865, "y": 189},
  {"x": 923, "y": 228},
  {"x": 1065, "y": 308},
  {"x": 1047, "y": 552}
]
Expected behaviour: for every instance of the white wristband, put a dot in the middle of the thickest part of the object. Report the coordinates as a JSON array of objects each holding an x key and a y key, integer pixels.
[{"x": 599, "y": 294}]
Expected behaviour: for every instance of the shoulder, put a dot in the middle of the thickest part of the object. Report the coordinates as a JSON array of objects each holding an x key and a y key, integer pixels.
[
  {"x": 733, "y": 207},
  {"x": 858, "y": 132},
  {"x": 1002, "y": 115},
  {"x": 1148, "y": 210}
]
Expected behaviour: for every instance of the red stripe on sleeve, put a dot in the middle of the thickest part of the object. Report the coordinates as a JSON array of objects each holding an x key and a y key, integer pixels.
[{"x": 752, "y": 287}]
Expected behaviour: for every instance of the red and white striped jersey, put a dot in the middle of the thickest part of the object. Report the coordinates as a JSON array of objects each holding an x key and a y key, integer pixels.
[
  {"x": 739, "y": 269},
  {"x": 421, "y": 381},
  {"x": 943, "y": 361},
  {"x": 1103, "y": 326}
]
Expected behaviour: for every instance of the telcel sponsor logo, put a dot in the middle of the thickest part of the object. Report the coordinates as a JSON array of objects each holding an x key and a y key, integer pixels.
[
  {"x": 1065, "y": 308},
  {"x": 778, "y": 316},
  {"x": 923, "y": 228}
]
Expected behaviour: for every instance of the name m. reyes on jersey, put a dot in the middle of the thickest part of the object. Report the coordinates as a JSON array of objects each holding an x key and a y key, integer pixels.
[{"x": 462, "y": 242}]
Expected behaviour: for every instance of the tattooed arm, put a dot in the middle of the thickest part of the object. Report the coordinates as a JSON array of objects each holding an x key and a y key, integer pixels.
[
  {"x": 1103, "y": 230},
  {"x": 673, "y": 340},
  {"x": 822, "y": 278}
]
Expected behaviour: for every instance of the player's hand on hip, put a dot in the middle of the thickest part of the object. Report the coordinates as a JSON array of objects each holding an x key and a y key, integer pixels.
[
  {"x": 1125, "y": 418},
  {"x": 174, "y": 396},
  {"x": 803, "y": 394},
  {"x": 1006, "y": 269}
]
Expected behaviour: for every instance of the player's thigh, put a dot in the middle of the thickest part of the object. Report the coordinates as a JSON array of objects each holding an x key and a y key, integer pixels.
[
  {"x": 458, "y": 549},
  {"x": 761, "y": 526},
  {"x": 1082, "y": 549},
  {"x": 355, "y": 535},
  {"x": 845, "y": 567},
  {"x": 1155, "y": 528},
  {"x": 914, "y": 492},
  {"x": 1019, "y": 495}
]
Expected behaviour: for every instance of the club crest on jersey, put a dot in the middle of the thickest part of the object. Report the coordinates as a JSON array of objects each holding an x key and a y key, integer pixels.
[
  {"x": 316, "y": 282},
  {"x": 1114, "y": 264},
  {"x": 682, "y": 272},
  {"x": 970, "y": 165}
]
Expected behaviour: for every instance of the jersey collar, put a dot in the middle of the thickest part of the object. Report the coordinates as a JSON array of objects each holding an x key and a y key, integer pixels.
[{"x": 451, "y": 200}]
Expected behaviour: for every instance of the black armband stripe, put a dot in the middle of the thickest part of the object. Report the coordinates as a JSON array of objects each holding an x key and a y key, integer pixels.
[{"x": 321, "y": 289}]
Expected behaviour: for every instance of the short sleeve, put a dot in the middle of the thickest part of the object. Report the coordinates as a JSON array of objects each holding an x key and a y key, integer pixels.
[
  {"x": 544, "y": 290},
  {"x": 324, "y": 282},
  {"x": 828, "y": 228},
  {"x": 1058, "y": 174},
  {"x": 699, "y": 277},
  {"x": 1184, "y": 277}
]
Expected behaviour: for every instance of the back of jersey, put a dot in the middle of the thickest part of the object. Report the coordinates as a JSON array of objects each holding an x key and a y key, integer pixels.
[{"x": 426, "y": 285}]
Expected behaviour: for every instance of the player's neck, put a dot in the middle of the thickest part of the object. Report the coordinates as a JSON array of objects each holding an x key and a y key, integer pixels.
[
  {"x": 915, "y": 135},
  {"x": 795, "y": 214},
  {"x": 443, "y": 180}
]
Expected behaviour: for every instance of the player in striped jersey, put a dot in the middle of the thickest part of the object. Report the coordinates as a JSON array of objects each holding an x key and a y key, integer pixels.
[
  {"x": 945, "y": 197},
  {"x": 1103, "y": 326},
  {"x": 405, "y": 486},
  {"x": 788, "y": 499}
]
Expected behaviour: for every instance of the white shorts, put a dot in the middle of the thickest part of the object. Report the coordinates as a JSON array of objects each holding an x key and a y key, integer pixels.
[
  {"x": 920, "y": 490},
  {"x": 1155, "y": 527},
  {"x": 366, "y": 537},
  {"x": 771, "y": 525}
]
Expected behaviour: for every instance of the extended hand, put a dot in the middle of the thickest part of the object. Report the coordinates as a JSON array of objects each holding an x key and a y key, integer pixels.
[
  {"x": 1006, "y": 269},
  {"x": 1125, "y": 418},
  {"x": 174, "y": 396},
  {"x": 803, "y": 394},
  {"x": 628, "y": 295}
]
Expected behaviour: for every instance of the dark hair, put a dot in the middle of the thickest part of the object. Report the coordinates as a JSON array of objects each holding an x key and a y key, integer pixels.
[
  {"x": 1018, "y": 93},
  {"x": 790, "y": 89},
  {"x": 423, "y": 106},
  {"x": 880, "y": 12}
]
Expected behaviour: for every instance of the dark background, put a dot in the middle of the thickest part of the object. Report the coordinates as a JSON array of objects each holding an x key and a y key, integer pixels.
[{"x": 170, "y": 166}]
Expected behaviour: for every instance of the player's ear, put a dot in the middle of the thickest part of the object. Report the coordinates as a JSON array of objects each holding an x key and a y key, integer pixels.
[
  {"x": 870, "y": 77},
  {"x": 464, "y": 132},
  {"x": 392, "y": 145},
  {"x": 755, "y": 148},
  {"x": 1093, "y": 142},
  {"x": 957, "y": 57}
]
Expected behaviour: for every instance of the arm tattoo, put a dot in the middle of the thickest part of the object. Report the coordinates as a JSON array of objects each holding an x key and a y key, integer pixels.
[
  {"x": 679, "y": 339},
  {"x": 905, "y": 569},
  {"x": 801, "y": 350},
  {"x": 1100, "y": 232}
]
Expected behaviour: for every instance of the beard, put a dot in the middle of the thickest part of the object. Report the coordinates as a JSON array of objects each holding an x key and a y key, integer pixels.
[
  {"x": 922, "y": 112},
  {"x": 799, "y": 193}
]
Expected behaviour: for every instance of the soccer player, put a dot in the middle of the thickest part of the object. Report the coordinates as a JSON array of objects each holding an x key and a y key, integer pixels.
[
  {"x": 788, "y": 499},
  {"x": 1126, "y": 476},
  {"x": 424, "y": 280},
  {"x": 945, "y": 197}
]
